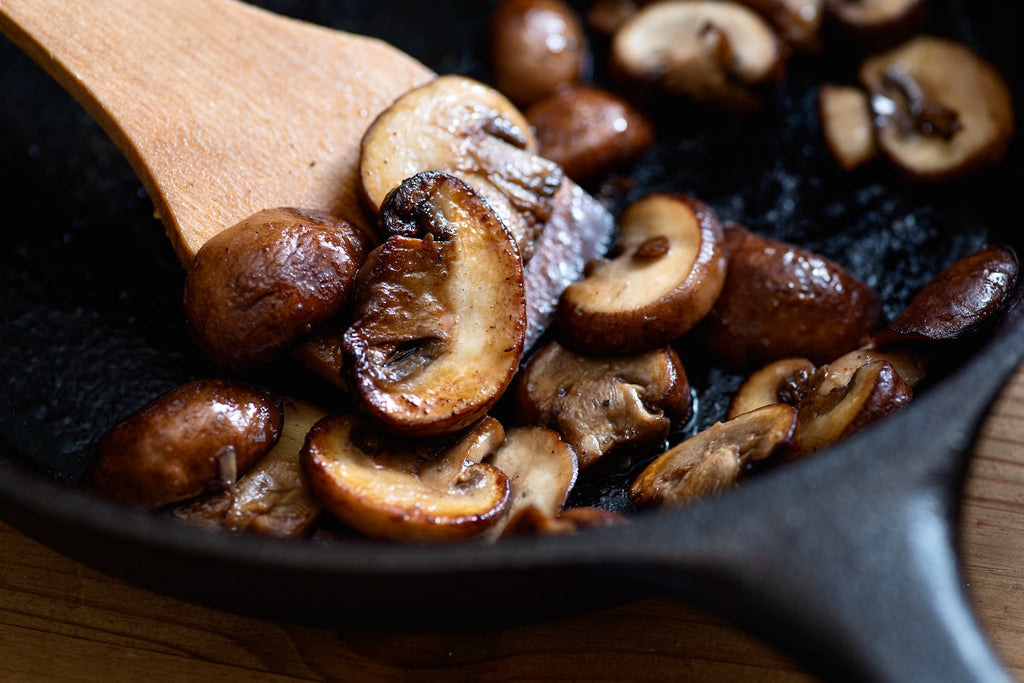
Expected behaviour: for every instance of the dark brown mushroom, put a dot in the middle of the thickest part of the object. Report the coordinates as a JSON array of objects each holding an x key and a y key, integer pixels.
[
  {"x": 941, "y": 110},
  {"x": 198, "y": 437},
  {"x": 598, "y": 404},
  {"x": 256, "y": 289},
  {"x": 666, "y": 273},
  {"x": 440, "y": 311},
  {"x": 774, "y": 299}
]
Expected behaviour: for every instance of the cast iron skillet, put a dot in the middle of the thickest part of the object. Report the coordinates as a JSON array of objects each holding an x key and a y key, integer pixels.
[{"x": 846, "y": 559}]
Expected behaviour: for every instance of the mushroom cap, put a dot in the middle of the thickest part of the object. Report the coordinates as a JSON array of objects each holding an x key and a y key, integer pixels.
[
  {"x": 463, "y": 127},
  {"x": 257, "y": 288},
  {"x": 401, "y": 490},
  {"x": 797, "y": 21},
  {"x": 948, "y": 76},
  {"x": 712, "y": 460},
  {"x": 701, "y": 49},
  {"x": 440, "y": 311},
  {"x": 875, "y": 24},
  {"x": 959, "y": 300},
  {"x": 669, "y": 269},
  {"x": 774, "y": 299},
  {"x": 598, "y": 403},
  {"x": 180, "y": 444}
]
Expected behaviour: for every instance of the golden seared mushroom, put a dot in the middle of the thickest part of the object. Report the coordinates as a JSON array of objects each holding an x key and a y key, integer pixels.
[
  {"x": 940, "y": 109},
  {"x": 958, "y": 301},
  {"x": 588, "y": 131},
  {"x": 712, "y": 52},
  {"x": 198, "y": 437},
  {"x": 466, "y": 128},
  {"x": 440, "y": 311},
  {"x": 259, "y": 287},
  {"x": 402, "y": 490},
  {"x": 829, "y": 413},
  {"x": 909, "y": 363},
  {"x": 598, "y": 403},
  {"x": 713, "y": 460},
  {"x": 797, "y": 21},
  {"x": 273, "y": 498},
  {"x": 541, "y": 471},
  {"x": 667, "y": 273},
  {"x": 848, "y": 125},
  {"x": 537, "y": 47},
  {"x": 875, "y": 24},
  {"x": 782, "y": 381},
  {"x": 775, "y": 299}
]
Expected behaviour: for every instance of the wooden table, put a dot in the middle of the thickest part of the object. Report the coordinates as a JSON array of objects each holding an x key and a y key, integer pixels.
[{"x": 60, "y": 621}]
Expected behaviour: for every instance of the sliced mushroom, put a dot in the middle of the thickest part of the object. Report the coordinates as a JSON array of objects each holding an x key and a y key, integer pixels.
[
  {"x": 200, "y": 436},
  {"x": 910, "y": 364},
  {"x": 273, "y": 498},
  {"x": 774, "y": 300},
  {"x": 797, "y": 21},
  {"x": 876, "y": 24},
  {"x": 257, "y": 288},
  {"x": 440, "y": 311},
  {"x": 401, "y": 490},
  {"x": 668, "y": 271},
  {"x": 600, "y": 403},
  {"x": 712, "y": 460},
  {"x": 958, "y": 301},
  {"x": 537, "y": 47},
  {"x": 829, "y": 413},
  {"x": 606, "y": 16},
  {"x": 588, "y": 131},
  {"x": 847, "y": 123},
  {"x": 541, "y": 470},
  {"x": 461, "y": 126},
  {"x": 575, "y": 519},
  {"x": 714, "y": 53},
  {"x": 782, "y": 381},
  {"x": 940, "y": 109}
]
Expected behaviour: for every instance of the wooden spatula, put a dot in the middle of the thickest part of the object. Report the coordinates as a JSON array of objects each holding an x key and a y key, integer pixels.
[{"x": 222, "y": 109}]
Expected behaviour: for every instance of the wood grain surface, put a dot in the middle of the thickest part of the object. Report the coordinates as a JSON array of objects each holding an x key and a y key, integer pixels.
[{"x": 60, "y": 621}]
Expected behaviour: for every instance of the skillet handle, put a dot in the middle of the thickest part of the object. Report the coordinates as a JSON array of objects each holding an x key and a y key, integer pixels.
[{"x": 847, "y": 561}]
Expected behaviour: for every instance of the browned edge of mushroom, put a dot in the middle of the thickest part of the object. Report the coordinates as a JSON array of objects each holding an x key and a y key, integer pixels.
[
  {"x": 872, "y": 25},
  {"x": 664, "y": 276},
  {"x": 440, "y": 311},
  {"x": 713, "y": 53},
  {"x": 781, "y": 381},
  {"x": 799, "y": 22},
  {"x": 941, "y": 111},
  {"x": 600, "y": 403},
  {"x": 197, "y": 437},
  {"x": 271, "y": 499},
  {"x": 405, "y": 490},
  {"x": 712, "y": 460}
]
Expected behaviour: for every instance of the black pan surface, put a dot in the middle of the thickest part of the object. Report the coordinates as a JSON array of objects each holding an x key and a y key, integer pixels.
[{"x": 90, "y": 298}]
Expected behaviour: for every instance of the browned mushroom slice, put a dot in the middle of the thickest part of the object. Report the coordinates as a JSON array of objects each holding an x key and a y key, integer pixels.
[
  {"x": 440, "y": 311},
  {"x": 575, "y": 519},
  {"x": 910, "y": 364},
  {"x": 668, "y": 271},
  {"x": 846, "y": 121},
  {"x": 461, "y": 126},
  {"x": 541, "y": 470},
  {"x": 940, "y": 109},
  {"x": 600, "y": 403},
  {"x": 588, "y": 131},
  {"x": 782, "y": 381},
  {"x": 876, "y": 24},
  {"x": 829, "y": 413},
  {"x": 959, "y": 300},
  {"x": 258, "y": 287},
  {"x": 273, "y": 498},
  {"x": 774, "y": 299},
  {"x": 710, "y": 52},
  {"x": 537, "y": 46},
  {"x": 401, "y": 490},
  {"x": 797, "y": 21},
  {"x": 198, "y": 437},
  {"x": 712, "y": 460}
]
